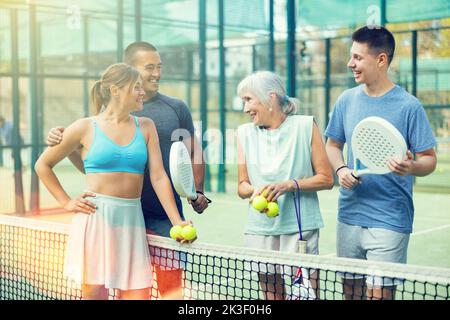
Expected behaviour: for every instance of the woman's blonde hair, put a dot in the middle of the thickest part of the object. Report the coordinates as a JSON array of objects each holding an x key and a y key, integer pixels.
[
  {"x": 261, "y": 84},
  {"x": 118, "y": 74}
]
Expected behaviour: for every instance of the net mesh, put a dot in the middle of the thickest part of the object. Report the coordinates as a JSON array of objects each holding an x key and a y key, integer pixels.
[{"x": 32, "y": 257}]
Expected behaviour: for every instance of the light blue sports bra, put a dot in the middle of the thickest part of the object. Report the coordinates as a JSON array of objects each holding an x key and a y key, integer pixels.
[{"x": 107, "y": 156}]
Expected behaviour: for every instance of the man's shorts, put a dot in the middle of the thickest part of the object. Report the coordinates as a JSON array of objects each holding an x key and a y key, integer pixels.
[
  {"x": 166, "y": 259},
  {"x": 373, "y": 244},
  {"x": 158, "y": 227}
]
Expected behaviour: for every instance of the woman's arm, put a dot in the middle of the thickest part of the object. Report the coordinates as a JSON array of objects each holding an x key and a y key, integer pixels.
[
  {"x": 323, "y": 177},
  {"x": 52, "y": 156},
  {"x": 54, "y": 137},
  {"x": 158, "y": 177},
  {"x": 245, "y": 189},
  {"x": 77, "y": 161}
]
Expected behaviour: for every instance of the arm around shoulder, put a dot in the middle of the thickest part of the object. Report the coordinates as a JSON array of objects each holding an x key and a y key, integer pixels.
[
  {"x": 245, "y": 189},
  {"x": 73, "y": 136}
]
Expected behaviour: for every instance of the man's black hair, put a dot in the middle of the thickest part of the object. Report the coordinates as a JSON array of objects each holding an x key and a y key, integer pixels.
[
  {"x": 134, "y": 47},
  {"x": 378, "y": 39}
]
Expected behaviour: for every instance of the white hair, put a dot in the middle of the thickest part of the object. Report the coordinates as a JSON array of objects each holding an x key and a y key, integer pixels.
[{"x": 261, "y": 84}]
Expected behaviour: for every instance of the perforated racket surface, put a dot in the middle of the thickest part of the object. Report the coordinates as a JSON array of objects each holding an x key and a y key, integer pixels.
[
  {"x": 374, "y": 142},
  {"x": 181, "y": 171}
]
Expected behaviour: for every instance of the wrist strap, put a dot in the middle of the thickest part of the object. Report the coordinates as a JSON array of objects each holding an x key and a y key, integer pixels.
[
  {"x": 297, "y": 208},
  {"x": 207, "y": 199},
  {"x": 341, "y": 167}
]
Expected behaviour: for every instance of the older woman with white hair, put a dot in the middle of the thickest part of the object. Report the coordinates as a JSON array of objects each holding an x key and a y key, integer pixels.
[{"x": 282, "y": 156}]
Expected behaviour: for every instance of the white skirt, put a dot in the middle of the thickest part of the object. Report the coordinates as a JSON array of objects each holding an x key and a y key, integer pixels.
[{"x": 109, "y": 247}]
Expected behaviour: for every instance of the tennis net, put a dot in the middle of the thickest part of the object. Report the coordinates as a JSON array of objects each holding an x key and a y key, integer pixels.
[{"x": 32, "y": 257}]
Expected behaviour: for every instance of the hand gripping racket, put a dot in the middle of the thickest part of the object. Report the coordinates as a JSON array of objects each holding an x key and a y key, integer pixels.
[
  {"x": 181, "y": 171},
  {"x": 374, "y": 142}
]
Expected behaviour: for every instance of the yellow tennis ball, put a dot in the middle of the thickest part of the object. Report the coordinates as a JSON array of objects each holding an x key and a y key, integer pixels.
[
  {"x": 272, "y": 209},
  {"x": 175, "y": 232},
  {"x": 259, "y": 203},
  {"x": 188, "y": 232}
]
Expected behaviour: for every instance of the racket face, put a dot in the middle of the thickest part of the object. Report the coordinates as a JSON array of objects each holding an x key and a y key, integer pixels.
[
  {"x": 374, "y": 142},
  {"x": 181, "y": 170}
]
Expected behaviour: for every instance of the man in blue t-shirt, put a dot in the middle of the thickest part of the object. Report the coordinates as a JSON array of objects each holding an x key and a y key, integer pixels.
[
  {"x": 375, "y": 212},
  {"x": 173, "y": 120}
]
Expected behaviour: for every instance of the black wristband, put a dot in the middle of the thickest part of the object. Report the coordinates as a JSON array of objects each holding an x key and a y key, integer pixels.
[
  {"x": 207, "y": 199},
  {"x": 357, "y": 178},
  {"x": 344, "y": 166}
]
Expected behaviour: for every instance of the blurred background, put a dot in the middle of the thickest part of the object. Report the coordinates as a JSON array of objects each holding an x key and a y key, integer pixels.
[{"x": 51, "y": 51}]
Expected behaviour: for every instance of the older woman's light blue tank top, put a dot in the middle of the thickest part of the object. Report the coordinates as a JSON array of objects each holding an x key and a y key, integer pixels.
[{"x": 275, "y": 156}]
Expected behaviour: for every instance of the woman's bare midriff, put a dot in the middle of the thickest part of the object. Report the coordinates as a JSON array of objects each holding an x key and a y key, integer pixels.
[{"x": 116, "y": 184}]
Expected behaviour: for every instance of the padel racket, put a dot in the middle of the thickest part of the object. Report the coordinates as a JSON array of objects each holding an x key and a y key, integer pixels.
[
  {"x": 374, "y": 142},
  {"x": 181, "y": 171}
]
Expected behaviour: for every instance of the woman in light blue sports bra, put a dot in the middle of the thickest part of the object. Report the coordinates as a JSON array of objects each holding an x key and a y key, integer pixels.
[
  {"x": 107, "y": 247},
  {"x": 282, "y": 153}
]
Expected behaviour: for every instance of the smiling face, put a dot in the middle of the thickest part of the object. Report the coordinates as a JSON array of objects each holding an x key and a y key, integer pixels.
[
  {"x": 364, "y": 64},
  {"x": 258, "y": 113},
  {"x": 148, "y": 63},
  {"x": 133, "y": 96}
]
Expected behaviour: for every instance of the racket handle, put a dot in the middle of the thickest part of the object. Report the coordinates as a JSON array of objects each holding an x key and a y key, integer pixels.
[
  {"x": 355, "y": 176},
  {"x": 356, "y": 166},
  {"x": 302, "y": 246}
]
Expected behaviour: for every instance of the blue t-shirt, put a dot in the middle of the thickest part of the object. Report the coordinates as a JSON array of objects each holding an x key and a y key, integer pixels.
[{"x": 380, "y": 201}]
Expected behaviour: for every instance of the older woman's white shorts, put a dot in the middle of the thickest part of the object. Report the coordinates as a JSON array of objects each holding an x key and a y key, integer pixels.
[
  {"x": 284, "y": 243},
  {"x": 109, "y": 247}
]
